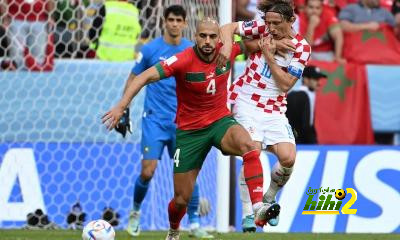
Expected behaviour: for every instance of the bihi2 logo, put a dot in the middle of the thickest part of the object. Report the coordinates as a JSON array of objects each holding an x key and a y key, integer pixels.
[{"x": 329, "y": 201}]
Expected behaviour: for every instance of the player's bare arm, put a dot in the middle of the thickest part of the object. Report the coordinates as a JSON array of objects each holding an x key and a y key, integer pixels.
[
  {"x": 228, "y": 30},
  {"x": 112, "y": 117},
  {"x": 285, "y": 81},
  {"x": 226, "y": 35},
  {"x": 128, "y": 81}
]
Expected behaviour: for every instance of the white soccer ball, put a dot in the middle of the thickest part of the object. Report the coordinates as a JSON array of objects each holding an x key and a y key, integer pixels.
[{"x": 98, "y": 230}]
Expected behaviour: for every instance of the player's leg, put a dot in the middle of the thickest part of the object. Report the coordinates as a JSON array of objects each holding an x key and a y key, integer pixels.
[
  {"x": 192, "y": 210},
  {"x": 280, "y": 141},
  {"x": 183, "y": 188},
  {"x": 194, "y": 217},
  {"x": 237, "y": 141},
  {"x": 247, "y": 209},
  {"x": 152, "y": 147},
  {"x": 281, "y": 171},
  {"x": 280, "y": 174},
  {"x": 191, "y": 150},
  {"x": 193, "y": 205},
  {"x": 248, "y": 121},
  {"x": 143, "y": 181},
  {"x": 140, "y": 190},
  {"x": 233, "y": 139}
]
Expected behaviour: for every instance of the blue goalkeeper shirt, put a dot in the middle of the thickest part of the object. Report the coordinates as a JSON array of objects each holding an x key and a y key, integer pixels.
[{"x": 160, "y": 100}]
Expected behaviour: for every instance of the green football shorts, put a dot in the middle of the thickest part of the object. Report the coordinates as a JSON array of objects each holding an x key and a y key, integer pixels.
[{"x": 192, "y": 146}]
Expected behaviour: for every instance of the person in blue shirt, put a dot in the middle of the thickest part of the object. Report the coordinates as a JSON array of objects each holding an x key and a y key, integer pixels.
[{"x": 158, "y": 124}]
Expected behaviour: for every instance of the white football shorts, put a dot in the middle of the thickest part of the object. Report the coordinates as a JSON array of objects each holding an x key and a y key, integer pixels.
[{"x": 263, "y": 127}]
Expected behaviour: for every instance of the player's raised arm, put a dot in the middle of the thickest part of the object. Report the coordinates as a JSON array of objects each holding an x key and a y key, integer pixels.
[
  {"x": 112, "y": 117},
  {"x": 249, "y": 29},
  {"x": 226, "y": 35},
  {"x": 285, "y": 80}
]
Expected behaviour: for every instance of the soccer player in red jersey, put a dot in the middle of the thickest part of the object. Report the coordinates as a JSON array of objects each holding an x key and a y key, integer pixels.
[{"x": 203, "y": 121}]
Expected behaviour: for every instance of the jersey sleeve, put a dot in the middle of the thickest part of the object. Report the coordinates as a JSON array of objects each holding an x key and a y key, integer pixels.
[
  {"x": 389, "y": 18},
  {"x": 300, "y": 58},
  {"x": 173, "y": 64},
  {"x": 252, "y": 29},
  {"x": 141, "y": 61},
  {"x": 237, "y": 49},
  {"x": 347, "y": 13},
  {"x": 331, "y": 19}
]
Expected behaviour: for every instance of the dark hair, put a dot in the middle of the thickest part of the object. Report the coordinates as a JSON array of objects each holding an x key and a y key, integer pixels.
[
  {"x": 284, "y": 8},
  {"x": 177, "y": 10}
]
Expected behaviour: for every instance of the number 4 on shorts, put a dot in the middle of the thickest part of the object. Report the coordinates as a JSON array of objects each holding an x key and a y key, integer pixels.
[{"x": 176, "y": 157}]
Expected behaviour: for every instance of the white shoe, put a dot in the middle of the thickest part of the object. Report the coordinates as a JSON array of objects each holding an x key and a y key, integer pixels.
[
  {"x": 172, "y": 234},
  {"x": 266, "y": 212},
  {"x": 133, "y": 227},
  {"x": 200, "y": 233}
]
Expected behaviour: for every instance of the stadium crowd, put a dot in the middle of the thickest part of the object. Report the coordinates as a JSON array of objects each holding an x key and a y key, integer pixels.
[{"x": 74, "y": 28}]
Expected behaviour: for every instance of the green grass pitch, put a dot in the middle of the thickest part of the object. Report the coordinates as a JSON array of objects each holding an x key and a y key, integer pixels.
[{"x": 121, "y": 235}]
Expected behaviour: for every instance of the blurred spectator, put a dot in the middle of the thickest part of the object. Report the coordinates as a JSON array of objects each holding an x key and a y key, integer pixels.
[
  {"x": 115, "y": 29},
  {"x": 28, "y": 29},
  {"x": 299, "y": 5},
  {"x": 247, "y": 10},
  {"x": 396, "y": 13},
  {"x": 251, "y": 6},
  {"x": 242, "y": 12},
  {"x": 336, "y": 5},
  {"x": 365, "y": 15},
  {"x": 67, "y": 26},
  {"x": 322, "y": 31},
  {"x": 387, "y": 4},
  {"x": 301, "y": 105},
  {"x": 333, "y": 5}
]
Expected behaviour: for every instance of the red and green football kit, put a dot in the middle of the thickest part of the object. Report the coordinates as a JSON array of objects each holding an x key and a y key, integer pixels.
[{"x": 202, "y": 115}]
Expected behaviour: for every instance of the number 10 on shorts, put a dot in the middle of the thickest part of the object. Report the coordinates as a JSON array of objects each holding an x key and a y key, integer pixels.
[{"x": 176, "y": 157}]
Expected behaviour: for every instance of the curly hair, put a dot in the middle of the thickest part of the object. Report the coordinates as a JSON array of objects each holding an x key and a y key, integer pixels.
[{"x": 283, "y": 7}]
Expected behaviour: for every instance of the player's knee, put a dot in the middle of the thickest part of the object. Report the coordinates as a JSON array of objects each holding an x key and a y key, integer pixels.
[
  {"x": 247, "y": 146},
  {"x": 287, "y": 159},
  {"x": 182, "y": 199},
  {"x": 147, "y": 173}
]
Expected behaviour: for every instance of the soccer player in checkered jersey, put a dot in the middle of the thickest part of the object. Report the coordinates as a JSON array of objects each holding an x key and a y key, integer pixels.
[
  {"x": 203, "y": 121},
  {"x": 259, "y": 95}
]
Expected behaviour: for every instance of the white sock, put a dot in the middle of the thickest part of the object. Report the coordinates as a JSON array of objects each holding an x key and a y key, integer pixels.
[
  {"x": 257, "y": 206},
  {"x": 194, "y": 226},
  {"x": 279, "y": 177},
  {"x": 247, "y": 208}
]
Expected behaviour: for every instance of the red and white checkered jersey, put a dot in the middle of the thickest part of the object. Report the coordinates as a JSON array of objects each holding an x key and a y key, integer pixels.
[
  {"x": 253, "y": 29},
  {"x": 256, "y": 86}
]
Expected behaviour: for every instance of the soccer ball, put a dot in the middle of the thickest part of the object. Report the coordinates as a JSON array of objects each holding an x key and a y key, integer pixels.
[
  {"x": 98, "y": 230},
  {"x": 340, "y": 194}
]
